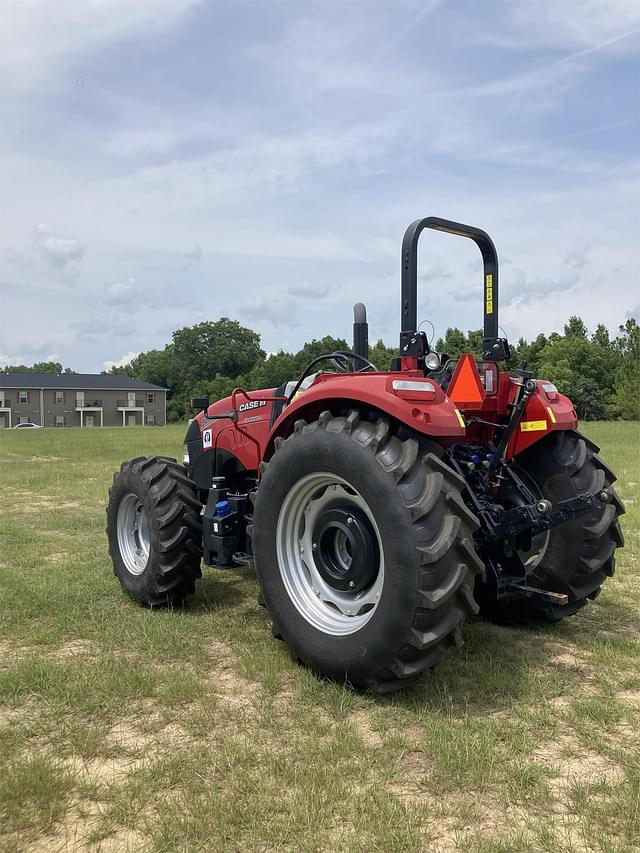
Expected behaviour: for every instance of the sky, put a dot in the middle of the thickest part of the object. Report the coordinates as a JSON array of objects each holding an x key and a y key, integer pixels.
[{"x": 173, "y": 161}]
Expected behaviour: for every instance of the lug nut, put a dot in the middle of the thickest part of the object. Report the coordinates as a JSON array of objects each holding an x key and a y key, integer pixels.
[
  {"x": 351, "y": 584},
  {"x": 315, "y": 546},
  {"x": 349, "y": 520}
]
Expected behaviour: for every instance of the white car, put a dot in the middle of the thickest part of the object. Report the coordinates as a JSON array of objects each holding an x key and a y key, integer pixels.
[{"x": 28, "y": 426}]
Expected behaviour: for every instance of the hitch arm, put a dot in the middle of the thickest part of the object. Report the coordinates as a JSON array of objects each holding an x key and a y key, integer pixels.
[{"x": 538, "y": 517}]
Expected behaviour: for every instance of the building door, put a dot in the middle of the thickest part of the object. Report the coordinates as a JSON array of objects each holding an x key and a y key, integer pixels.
[
  {"x": 88, "y": 420},
  {"x": 131, "y": 420},
  {"x": 131, "y": 396},
  {"x": 3, "y": 422}
]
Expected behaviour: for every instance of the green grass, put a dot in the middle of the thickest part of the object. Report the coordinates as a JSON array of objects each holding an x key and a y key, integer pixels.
[{"x": 192, "y": 730}]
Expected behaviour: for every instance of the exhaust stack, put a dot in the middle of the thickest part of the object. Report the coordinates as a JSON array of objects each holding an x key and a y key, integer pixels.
[{"x": 360, "y": 330}]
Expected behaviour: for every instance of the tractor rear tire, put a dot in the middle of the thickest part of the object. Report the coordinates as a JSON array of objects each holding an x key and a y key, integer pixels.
[
  {"x": 411, "y": 559},
  {"x": 154, "y": 530},
  {"x": 579, "y": 555}
]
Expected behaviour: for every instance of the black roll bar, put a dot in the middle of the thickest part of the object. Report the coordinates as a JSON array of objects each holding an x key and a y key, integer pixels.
[{"x": 494, "y": 348}]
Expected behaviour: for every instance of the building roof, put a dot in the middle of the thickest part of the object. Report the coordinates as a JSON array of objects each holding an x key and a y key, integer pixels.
[{"x": 73, "y": 381}]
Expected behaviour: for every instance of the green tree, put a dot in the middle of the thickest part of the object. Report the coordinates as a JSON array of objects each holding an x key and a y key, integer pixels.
[
  {"x": 578, "y": 368},
  {"x": 626, "y": 394},
  {"x": 575, "y": 328},
  {"x": 39, "y": 367},
  {"x": 382, "y": 355},
  {"x": 453, "y": 344},
  {"x": 209, "y": 348}
]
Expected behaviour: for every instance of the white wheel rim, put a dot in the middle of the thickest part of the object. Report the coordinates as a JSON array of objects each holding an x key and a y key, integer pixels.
[
  {"x": 133, "y": 534},
  {"x": 332, "y": 611}
]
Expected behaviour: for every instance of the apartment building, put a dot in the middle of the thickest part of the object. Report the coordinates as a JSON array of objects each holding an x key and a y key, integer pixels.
[{"x": 80, "y": 399}]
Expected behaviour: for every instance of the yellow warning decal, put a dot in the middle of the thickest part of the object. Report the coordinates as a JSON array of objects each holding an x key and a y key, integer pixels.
[
  {"x": 552, "y": 417},
  {"x": 488, "y": 294},
  {"x": 532, "y": 426},
  {"x": 460, "y": 418}
]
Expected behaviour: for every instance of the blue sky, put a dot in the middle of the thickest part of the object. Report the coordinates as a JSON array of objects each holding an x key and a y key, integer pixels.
[{"x": 173, "y": 161}]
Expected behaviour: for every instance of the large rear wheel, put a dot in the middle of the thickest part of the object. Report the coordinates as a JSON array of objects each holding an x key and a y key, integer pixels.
[{"x": 364, "y": 551}]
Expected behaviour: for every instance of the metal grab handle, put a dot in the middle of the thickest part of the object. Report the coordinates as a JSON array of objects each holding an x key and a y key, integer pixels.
[{"x": 409, "y": 280}]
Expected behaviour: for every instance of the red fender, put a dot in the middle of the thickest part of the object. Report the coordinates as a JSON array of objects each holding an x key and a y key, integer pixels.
[
  {"x": 547, "y": 411},
  {"x": 436, "y": 416}
]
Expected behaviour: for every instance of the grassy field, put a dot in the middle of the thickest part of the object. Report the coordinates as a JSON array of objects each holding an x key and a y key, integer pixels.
[{"x": 125, "y": 729}]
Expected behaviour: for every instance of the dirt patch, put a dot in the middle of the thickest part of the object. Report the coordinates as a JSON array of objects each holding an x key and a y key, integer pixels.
[
  {"x": 630, "y": 698},
  {"x": 129, "y": 738},
  {"x": 46, "y": 459},
  {"x": 72, "y": 835},
  {"x": 411, "y": 788},
  {"x": 570, "y": 762},
  {"x": 57, "y": 558},
  {"x": 75, "y": 648},
  {"x": 104, "y": 771},
  {"x": 232, "y": 689},
  {"x": 570, "y": 660},
  {"x": 369, "y": 735},
  {"x": 36, "y": 504}
]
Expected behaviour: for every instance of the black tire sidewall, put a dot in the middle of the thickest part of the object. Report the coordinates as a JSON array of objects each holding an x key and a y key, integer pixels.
[{"x": 379, "y": 639}]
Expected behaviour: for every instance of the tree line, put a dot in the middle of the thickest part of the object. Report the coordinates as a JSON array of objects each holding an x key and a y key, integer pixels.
[{"x": 599, "y": 373}]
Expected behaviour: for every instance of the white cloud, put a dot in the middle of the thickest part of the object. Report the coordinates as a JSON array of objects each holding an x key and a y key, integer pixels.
[
  {"x": 121, "y": 292},
  {"x": 39, "y": 41},
  {"x": 277, "y": 312},
  {"x": 58, "y": 251},
  {"x": 308, "y": 290},
  {"x": 123, "y": 361},
  {"x": 11, "y": 360},
  {"x": 584, "y": 23}
]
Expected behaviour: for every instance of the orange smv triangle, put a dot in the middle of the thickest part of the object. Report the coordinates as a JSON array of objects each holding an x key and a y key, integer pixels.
[{"x": 465, "y": 388}]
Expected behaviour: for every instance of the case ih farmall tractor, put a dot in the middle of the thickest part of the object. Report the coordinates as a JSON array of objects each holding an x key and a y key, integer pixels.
[{"x": 380, "y": 509}]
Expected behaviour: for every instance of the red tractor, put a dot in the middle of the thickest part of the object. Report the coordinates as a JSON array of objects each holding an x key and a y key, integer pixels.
[{"x": 380, "y": 508}]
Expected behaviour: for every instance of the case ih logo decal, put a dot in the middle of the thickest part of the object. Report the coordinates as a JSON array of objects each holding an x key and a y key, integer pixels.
[
  {"x": 206, "y": 438},
  {"x": 254, "y": 404}
]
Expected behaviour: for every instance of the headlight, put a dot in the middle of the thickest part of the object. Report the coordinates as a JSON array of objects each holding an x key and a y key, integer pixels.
[{"x": 432, "y": 360}]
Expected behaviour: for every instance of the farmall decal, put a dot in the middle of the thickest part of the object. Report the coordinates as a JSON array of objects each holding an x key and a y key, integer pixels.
[
  {"x": 254, "y": 404},
  {"x": 206, "y": 438}
]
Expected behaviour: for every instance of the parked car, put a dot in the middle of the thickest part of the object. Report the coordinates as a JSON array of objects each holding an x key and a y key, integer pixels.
[{"x": 28, "y": 426}]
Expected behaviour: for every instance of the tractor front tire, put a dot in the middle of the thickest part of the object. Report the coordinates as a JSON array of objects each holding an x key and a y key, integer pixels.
[
  {"x": 579, "y": 555},
  {"x": 154, "y": 530},
  {"x": 364, "y": 551}
]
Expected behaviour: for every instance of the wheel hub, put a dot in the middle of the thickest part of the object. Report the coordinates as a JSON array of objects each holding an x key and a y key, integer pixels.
[
  {"x": 330, "y": 554},
  {"x": 134, "y": 534},
  {"x": 345, "y": 548}
]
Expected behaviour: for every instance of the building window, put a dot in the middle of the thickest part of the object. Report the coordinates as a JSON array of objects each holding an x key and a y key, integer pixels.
[
  {"x": 60, "y": 420},
  {"x": 151, "y": 398},
  {"x": 59, "y": 396},
  {"x": 23, "y": 420},
  {"x": 151, "y": 419},
  {"x": 24, "y": 397},
  {"x": 79, "y": 398}
]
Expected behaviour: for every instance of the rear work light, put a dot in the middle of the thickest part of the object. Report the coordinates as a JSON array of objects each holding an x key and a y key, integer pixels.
[
  {"x": 550, "y": 390},
  {"x": 415, "y": 390}
]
